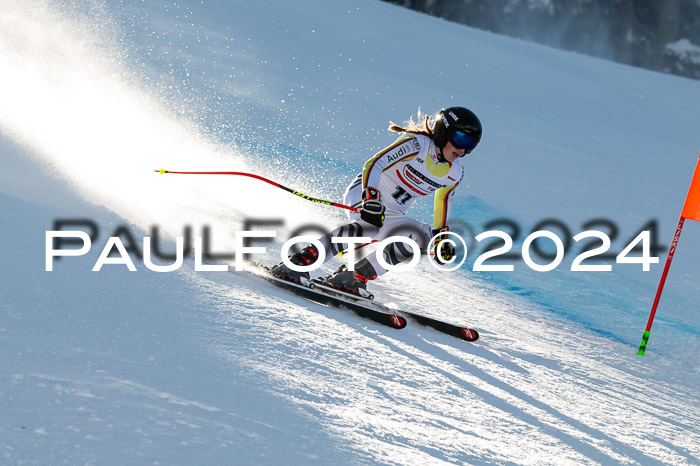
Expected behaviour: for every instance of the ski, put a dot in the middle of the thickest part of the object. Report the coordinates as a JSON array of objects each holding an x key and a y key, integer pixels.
[
  {"x": 464, "y": 333},
  {"x": 365, "y": 307},
  {"x": 330, "y": 297}
]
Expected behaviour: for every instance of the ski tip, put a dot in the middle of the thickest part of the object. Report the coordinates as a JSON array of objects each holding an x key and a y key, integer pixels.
[
  {"x": 397, "y": 321},
  {"x": 470, "y": 334}
]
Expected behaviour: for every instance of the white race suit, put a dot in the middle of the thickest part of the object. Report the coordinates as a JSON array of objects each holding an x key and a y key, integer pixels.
[{"x": 403, "y": 172}]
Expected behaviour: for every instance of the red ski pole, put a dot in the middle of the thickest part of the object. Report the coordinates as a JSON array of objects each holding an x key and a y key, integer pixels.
[{"x": 258, "y": 177}]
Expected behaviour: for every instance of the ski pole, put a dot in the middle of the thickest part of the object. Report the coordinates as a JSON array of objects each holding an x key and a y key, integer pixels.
[
  {"x": 342, "y": 253},
  {"x": 162, "y": 171},
  {"x": 258, "y": 177}
]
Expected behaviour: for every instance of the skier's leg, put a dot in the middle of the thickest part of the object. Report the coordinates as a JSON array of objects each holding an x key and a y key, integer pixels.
[
  {"x": 398, "y": 252},
  {"x": 309, "y": 255},
  {"x": 369, "y": 268},
  {"x": 356, "y": 228}
]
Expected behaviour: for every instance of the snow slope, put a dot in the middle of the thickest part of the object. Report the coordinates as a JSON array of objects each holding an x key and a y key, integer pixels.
[{"x": 209, "y": 367}]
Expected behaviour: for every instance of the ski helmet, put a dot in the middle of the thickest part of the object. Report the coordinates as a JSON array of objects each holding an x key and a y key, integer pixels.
[{"x": 458, "y": 125}]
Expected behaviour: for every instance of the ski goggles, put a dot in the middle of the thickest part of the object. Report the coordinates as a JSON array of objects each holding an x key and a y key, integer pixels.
[{"x": 462, "y": 140}]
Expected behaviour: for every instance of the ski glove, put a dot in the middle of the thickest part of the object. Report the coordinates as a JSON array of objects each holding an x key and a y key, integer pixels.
[
  {"x": 447, "y": 251},
  {"x": 372, "y": 210}
]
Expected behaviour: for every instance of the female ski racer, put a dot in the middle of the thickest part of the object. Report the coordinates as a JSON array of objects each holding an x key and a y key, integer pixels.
[{"x": 424, "y": 160}]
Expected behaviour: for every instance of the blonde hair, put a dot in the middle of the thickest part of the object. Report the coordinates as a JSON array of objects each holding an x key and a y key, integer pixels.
[{"x": 424, "y": 125}]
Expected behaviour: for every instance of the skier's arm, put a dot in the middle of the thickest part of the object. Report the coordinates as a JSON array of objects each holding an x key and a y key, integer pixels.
[{"x": 443, "y": 204}]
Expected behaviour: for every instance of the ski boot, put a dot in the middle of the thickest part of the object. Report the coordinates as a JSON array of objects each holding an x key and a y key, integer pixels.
[
  {"x": 307, "y": 256},
  {"x": 353, "y": 282}
]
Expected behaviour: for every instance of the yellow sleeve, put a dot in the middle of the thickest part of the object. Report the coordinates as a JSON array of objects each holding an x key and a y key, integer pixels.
[{"x": 443, "y": 202}]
